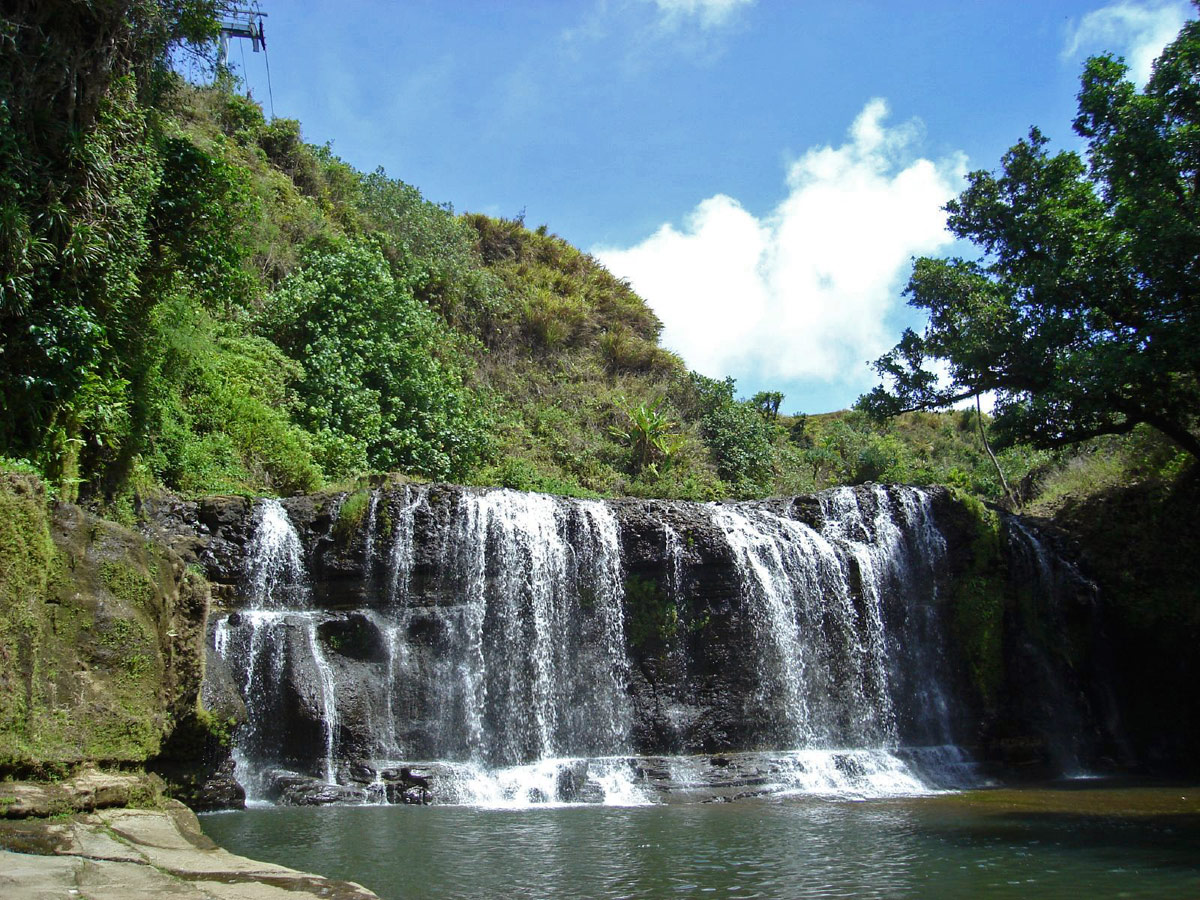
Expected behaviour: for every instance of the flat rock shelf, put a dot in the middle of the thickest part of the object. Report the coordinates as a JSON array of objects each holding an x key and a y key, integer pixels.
[{"x": 119, "y": 853}]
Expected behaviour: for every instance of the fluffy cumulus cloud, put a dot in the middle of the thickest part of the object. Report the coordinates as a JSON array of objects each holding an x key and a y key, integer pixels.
[
  {"x": 804, "y": 292},
  {"x": 709, "y": 13},
  {"x": 1137, "y": 31}
]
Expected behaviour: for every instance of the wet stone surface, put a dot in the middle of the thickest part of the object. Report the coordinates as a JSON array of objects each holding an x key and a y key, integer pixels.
[{"x": 114, "y": 854}]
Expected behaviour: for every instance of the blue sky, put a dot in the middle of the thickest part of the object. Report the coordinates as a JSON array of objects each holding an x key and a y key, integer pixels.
[{"x": 762, "y": 171}]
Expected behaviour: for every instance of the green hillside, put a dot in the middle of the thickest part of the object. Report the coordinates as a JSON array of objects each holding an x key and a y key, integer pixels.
[{"x": 197, "y": 299}]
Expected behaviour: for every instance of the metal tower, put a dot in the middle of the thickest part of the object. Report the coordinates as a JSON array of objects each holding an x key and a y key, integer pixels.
[{"x": 238, "y": 21}]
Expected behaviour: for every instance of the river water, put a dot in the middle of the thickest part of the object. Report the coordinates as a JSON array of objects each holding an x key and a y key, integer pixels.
[{"x": 1086, "y": 841}]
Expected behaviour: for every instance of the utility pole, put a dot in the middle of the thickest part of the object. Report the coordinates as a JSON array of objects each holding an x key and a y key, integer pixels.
[{"x": 238, "y": 21}]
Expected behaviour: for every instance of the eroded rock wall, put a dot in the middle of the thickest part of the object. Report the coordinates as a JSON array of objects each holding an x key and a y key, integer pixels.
[
  {"x": 694, "y": 649},
  {"x": 102, "y": 641}
]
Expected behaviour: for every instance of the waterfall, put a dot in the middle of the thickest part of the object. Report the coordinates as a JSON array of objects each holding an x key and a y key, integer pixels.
[
  {"x": 673, "y": 555},
  {"x": 275, "y": 634},
  {"x": 275, "y": 572},
  {"x": 535, "y": 669},
  {"x": 369, "y": 534},
  {"x": 400, "y": 559},
  {"x": 1046, "y": 579},
  {"x": 507, "y": 665},
  {"x": 833, "y": 661},
  {"x": 897, "y": 549},
  {"x": 481, "y": 636},
  {"x": 530, "y": 684}
]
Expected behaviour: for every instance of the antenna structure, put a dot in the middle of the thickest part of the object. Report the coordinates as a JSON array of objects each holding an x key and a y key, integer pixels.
[{"x": 238, "y": 21}]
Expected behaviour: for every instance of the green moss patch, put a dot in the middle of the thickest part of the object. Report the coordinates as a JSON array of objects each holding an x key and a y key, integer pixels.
[
  {"x": 351, "y": 515},
  {"x": 651, "y": 616},
  {"x": 90, "y": 664},
  {"x": 979, "y": 603}
]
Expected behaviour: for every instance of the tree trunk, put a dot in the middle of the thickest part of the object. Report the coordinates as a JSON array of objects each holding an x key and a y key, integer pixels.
[{"x": 992, "y": 456}]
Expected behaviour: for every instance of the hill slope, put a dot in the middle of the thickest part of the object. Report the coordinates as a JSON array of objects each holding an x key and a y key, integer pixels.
[{"x": 197, "y": 299}]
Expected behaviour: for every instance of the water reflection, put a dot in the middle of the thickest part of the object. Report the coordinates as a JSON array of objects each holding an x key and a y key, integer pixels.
[{"x": 933, "y": 847}]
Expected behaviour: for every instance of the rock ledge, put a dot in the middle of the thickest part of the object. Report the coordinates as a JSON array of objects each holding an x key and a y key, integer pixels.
[{"x": 121, "y": 854}]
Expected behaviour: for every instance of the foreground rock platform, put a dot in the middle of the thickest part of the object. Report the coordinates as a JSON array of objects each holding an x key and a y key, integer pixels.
[{"x": 120, "y": 853}]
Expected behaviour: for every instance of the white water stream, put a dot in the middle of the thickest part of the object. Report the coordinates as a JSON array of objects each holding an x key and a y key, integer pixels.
[{"x": 508, "y": 671}]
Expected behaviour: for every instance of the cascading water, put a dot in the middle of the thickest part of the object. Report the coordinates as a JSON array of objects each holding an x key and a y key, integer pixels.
[
  {"x": 534, "y": 664},
  {"x": 1046, "y": 579},
  {"x": 275, "y": 572},
  {"x": 481, "y": 636},
  {"x": 829, "y": 665},
  {"x": 514, "y": 679},
  {"x": 275, "y": 634}
]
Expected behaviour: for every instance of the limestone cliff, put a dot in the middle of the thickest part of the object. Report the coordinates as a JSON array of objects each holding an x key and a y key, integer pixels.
[
  {"x": 1019, "y": 658},
  {"x": 101, "y": 641}
]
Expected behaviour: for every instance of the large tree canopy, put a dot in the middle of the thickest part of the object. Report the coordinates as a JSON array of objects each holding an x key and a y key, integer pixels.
[{"x": 1082, "y": 314}]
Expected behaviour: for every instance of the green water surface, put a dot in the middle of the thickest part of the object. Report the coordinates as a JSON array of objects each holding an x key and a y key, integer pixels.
[{"x": 1089, "y": 842}]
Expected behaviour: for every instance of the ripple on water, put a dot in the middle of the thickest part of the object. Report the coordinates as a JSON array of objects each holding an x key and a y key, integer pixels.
[{"x": 1002, "y": 844}]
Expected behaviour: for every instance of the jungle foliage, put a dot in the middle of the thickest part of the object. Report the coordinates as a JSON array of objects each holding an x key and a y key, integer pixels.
[
  {"x": 194, "y": 297},
  {"x": 1081, "y": 315}
]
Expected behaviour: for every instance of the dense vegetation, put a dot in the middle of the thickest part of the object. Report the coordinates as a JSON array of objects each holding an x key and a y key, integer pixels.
[
  {"x": 1081, "y": 316},
  {"x": 195, "y": 298}
]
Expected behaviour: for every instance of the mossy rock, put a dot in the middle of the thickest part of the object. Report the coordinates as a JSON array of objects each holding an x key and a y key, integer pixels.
[
  {"x": 351, "y": 515},
  {"x": 979, "y": 597},
  {"x": 100, "y": 637}
]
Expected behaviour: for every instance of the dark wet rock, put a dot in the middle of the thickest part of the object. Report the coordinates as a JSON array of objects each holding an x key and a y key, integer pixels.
[
  {"x": 693, "y": 661},
  {"x": 571, "y": 781},
  {"x": 292, "y": 789},
  {"x": 219, "y": 790},
  {"x": 219, "y": 694}
]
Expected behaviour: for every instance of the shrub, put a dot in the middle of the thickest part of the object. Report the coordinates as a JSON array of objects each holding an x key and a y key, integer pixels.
[
  {"x": 739, "y": 440},
  {"x": 380, "y": 370}
]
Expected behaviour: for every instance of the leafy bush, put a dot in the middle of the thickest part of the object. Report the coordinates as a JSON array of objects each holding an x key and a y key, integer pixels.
[
  {"x": 223, "y": 410},
  {"x": 650, "y": 435},
  {"x": 383, "y": 384},
  {"x": 431, "y": 249},
  {"x": 200, "y": 224},
  {"x": 738, "y": 438}
]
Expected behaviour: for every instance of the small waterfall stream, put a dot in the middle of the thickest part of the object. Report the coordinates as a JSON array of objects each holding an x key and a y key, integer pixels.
[
  {"x": 486, "y": 643},
  {"x": 829, "y": 664},
  {"x": 276, "y": 631}
]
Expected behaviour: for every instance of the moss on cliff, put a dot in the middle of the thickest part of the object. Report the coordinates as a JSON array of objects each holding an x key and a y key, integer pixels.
[
  {"x": 1141, "y": 544},
  {"x": 979, "y": 602},
  {"x": 99, "y": 637},
  {"x": 652, "y": 618},
  {"x": 28, "y": 562},
  {"x": 351, "y": 514}
]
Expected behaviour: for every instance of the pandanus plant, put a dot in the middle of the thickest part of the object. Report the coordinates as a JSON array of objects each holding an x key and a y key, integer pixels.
[{"x": 649, "y": 434}]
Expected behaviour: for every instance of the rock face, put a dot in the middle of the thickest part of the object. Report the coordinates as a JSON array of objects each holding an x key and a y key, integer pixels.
[
  {"x": 87, "y": 791},
  {"x": 123, "y": 854},
  {"x": 101, "y": 641},
  {"x": 1141, "y": 542},
  {"x": 437, "y": 622}
]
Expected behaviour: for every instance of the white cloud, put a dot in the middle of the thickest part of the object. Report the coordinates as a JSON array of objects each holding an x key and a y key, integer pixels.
[
  {"x": 710, "y": 13},
  {"x": 1137, "y": 31},
  {"x": 803, "y": 292}
]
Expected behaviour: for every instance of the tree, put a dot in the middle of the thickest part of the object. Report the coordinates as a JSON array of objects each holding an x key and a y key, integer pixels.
[
  {"x": 79, "y": 171},
  {"x": 768, "y": 404},
  {"x": 1083, "y": 314},
  {"x": 384, "y": 382}
]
